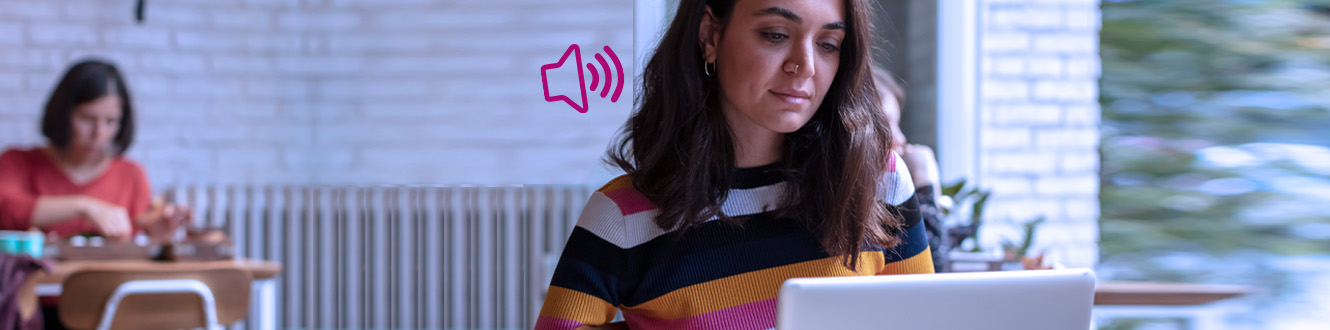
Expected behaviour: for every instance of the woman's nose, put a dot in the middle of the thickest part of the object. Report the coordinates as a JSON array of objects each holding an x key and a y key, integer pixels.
[{"x": 801, "y": 59}]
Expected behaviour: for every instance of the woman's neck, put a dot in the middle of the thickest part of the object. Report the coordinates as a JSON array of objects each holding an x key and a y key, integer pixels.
[
  {"x": 80, "y": 167},
  {"x": 754, "y": 145},
  {"x": 754, "y": 151},
  {"x": 76, "y": 160}
]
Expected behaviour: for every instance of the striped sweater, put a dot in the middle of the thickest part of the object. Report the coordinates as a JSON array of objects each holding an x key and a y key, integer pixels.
[{"x": 716, "y": 276}]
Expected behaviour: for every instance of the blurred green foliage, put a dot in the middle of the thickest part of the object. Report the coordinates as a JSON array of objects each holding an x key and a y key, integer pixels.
[{"x": 1216, "y": 118}]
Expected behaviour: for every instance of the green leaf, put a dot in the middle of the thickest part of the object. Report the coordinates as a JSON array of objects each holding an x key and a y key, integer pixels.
[
  {"x": 977, "y": 214},
  {"x": 952, "y": 189}
]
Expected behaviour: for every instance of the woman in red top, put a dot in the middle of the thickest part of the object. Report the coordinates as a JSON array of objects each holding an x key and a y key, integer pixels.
[{"x": 81, "y": 183}]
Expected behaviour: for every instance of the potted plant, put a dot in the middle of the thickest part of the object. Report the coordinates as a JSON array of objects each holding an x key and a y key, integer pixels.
[
  {"x": 963, "y": 209},
  {"x": 1016, "y": 255}
]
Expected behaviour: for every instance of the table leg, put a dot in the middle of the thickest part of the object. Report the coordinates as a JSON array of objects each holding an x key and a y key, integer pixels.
[
  {"x": 265, "y": 292},
  {"x": 48, "y": 290}
]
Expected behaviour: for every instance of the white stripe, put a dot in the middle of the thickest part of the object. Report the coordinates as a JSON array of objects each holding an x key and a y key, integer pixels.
[
  {"x": 602, "y": 216},
  {"x": 743, "y": 202},
  {"x": 896, "y": 187},
  {"x": 640, "y": 228}
]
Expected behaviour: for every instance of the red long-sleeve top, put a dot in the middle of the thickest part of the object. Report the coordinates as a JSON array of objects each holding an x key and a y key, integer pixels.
[{"x": 26, "y": 175}]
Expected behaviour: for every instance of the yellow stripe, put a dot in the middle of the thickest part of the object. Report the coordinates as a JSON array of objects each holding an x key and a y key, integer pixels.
[
  {"x": 618, "y": 183},
  {"x": 577, "y": 306},
  {"x": 748, "y": 287},
  {"x": 921, "y": 263}
]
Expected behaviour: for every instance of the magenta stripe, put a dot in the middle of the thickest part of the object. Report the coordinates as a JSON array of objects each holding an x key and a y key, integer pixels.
[
  {"x": 554, "y": 323},
  {"x": 629, "y": 200},
  {"x": 759, "y": 315},
  {"x": 891, "y": 162}
]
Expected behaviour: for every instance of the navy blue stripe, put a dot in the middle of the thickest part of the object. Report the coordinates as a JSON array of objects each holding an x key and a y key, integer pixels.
[
  {"x": 753, "y": 177},
  {"x": 717, "y": 250},
  {"x": 908, "y": 210},
  {"x": 913, "y": 242},
  {"x": 713, "y": 250},
  {"x": 593, "y": 266},
  {"x": 914, "y": 236},
  {"x": 579, "y": 276}
]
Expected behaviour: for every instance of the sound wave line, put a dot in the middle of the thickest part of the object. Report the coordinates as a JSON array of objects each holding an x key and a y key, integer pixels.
[
  {"x": 618, "y": 67},
  {"x": 595, "y": 77},
  {"x": 606, "y": 66}
]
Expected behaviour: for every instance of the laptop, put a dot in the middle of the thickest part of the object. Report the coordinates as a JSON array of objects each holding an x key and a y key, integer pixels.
[{"x": 1016, "y": 300}]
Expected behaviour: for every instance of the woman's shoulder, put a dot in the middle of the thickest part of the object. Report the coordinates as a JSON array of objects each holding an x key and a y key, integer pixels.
[
  {"x": 619, "y": 182},
  {"x": 620, "y": 214},
  {"x": 22, "y": 153},
  {"x": 895, "y": 186},
  {"x": 620, "y": 194},
  {"x": 16, "y": 156}
]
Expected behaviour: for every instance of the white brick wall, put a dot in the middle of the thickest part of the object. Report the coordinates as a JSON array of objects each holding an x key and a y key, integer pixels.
[
  {"x": 1039, "y": 121},
  {"x": 329, "y": 91},
  {"x": 421, "y": 91}
]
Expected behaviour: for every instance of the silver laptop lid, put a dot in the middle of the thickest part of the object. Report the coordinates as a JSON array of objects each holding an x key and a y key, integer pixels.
[{"x": 1017, "y": 300}]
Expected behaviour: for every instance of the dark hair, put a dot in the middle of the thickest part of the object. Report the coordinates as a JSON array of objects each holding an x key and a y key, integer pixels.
[
  {"x": 85, "y": 82},
  {"x": 887, "y": 85},
  {"x": 678, "y": 149}
]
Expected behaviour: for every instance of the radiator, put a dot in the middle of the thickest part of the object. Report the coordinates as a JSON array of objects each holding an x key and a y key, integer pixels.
[{"x": 398, "y": 257}]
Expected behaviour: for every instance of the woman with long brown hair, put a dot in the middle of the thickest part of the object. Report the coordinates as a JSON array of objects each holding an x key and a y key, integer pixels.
[{"x": 758, "y": 152}]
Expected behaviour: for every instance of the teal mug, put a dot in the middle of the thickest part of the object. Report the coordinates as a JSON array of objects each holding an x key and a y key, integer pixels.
[{"x": 22, "y": 243}]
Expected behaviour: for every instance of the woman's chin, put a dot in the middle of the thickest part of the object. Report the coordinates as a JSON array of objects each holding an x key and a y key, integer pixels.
[
  {"x": 788, "y": 122},
  {"x": 787, "y": 126}
]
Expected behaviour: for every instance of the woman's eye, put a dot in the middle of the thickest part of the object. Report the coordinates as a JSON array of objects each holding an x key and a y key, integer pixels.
[
  {"x": 830, "y": 47},
  {"x": 774, "y": 36}
]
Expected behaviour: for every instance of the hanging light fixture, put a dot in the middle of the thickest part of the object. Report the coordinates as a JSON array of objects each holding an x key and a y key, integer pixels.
[{"x": 138, "y": 11}]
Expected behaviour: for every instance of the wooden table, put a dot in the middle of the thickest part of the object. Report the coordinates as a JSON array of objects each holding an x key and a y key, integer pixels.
[
  {"x": 1192, "y": 303},
  {"x": 258, "y": 268},
  {"x": 264, "y": 313},
  {"x": 1169, "y": 294}
]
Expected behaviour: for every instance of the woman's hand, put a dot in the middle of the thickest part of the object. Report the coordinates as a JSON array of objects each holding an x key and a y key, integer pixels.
[
  {"x": 111, "y": 220},
  {"x": 162, "y": 220},
  {"x": 922, "y": 164}
]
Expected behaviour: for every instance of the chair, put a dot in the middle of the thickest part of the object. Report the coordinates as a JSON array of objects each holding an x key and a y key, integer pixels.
[{"x": 177, "y": 298}]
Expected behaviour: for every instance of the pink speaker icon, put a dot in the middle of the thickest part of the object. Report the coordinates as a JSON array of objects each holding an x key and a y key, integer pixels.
[{"x": 576, "y": 53}]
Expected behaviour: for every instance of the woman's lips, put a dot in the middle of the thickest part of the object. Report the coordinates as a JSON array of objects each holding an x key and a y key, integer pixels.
[{"x": 791, "y": 96}]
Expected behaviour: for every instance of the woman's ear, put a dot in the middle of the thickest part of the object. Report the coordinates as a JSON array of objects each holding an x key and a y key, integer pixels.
[{"x": 708, "y": 34}]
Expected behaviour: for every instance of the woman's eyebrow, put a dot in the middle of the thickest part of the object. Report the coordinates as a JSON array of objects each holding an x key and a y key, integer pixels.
[
  {"x": 790, "y": 15},
  {"x": 782, "y": 12}
]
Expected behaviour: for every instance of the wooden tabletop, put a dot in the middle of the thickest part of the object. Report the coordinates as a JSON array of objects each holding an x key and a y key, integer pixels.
[
  {"x": 1169, "y": 294},
  {"x": 258, "y": 268}
]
